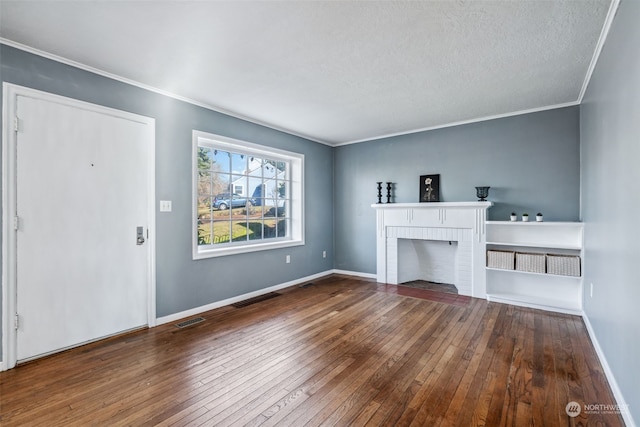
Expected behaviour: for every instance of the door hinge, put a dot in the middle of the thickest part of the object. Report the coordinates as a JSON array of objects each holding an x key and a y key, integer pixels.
[
  {"x": 16, "y": 222},
  {"x": 16, "y": 124},
  {"x": 17, "y": 321}
]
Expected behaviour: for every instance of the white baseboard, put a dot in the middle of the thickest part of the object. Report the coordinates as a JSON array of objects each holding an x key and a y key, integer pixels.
[
  {"x": 355, "y": 273},
  {"x": 194, "y": 311},
  {"x": 617, "y": 393},
  {"x": 514, "y": 301},
  {"x": 1, "y": 366}
]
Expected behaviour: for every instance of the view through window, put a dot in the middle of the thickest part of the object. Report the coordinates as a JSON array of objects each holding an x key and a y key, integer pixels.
[{"x": 245, "y": 195}]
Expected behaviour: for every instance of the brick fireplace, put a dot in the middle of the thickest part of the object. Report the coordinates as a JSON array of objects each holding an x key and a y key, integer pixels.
[{"x": 456, "y": 231}]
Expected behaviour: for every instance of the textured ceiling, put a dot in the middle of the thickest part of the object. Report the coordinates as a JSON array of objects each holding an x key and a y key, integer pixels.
[{"x": 333, "y": 71}]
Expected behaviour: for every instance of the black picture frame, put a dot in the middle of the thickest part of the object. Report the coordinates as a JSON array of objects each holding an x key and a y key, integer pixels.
[{"x": 430, "y": 188}]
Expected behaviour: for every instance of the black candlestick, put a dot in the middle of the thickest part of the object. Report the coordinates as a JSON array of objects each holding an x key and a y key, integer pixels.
[
  {"x": 389, "y": 192},
  {"x": 379, "y": 191}
]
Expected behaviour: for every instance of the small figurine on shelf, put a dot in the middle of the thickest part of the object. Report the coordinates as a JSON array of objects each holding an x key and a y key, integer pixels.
[
  {"x": 379, "y": 191},
  {"x": 389, "y": 192},
  {"x": 538, "y": 217},
  {"x": 525, "y": 217},
  {"x": 514, "y": 217}
]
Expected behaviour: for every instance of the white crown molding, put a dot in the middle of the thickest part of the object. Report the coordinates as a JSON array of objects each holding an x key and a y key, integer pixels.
[
  {"x": 116, "y": 77},
  {"x": 613, "y": 9},
  {"x": 462, "y": 122}
]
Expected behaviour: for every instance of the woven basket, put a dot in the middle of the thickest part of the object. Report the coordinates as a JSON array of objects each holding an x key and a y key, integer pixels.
[
  {"x": 500, "y": 259},
  {"x": 563, "y": 265},
  {"x": 533, "y": 263}
]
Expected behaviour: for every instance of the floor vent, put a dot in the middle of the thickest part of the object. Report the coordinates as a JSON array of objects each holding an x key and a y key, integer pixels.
[
  {"x": 190, "y": 322},
  {"x": 254, "y": 300}
]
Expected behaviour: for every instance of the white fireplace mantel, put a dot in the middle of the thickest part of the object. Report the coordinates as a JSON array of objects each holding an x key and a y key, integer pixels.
[{"x": 462, "y": 222}]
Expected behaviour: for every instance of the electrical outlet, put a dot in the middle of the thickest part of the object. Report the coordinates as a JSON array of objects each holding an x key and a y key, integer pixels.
[
  {"x": 324, "y": 254},
  {"x": 591, "y": 291},
  {"x": 288, "y": 259}
]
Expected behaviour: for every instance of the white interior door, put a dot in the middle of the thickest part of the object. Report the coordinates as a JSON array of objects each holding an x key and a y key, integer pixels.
[{"x": 81, "y": 192}]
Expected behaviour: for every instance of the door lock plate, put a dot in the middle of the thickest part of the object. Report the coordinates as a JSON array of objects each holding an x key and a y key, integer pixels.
[{"x": 139, "y": 235}]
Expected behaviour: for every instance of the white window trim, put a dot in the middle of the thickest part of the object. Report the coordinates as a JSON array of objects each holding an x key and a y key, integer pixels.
[{"x": 297, "y": 195}]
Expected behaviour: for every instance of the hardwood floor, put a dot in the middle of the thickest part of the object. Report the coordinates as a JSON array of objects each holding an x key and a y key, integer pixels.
[{"x": 341, "y": 352}]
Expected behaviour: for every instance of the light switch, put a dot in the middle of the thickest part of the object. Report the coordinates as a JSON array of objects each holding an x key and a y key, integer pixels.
[{"x": 165, "y": 205}]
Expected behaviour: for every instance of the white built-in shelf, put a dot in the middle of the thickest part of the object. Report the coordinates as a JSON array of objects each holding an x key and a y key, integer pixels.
[
  {"x": 555, "y": 235},
  {"x": 534, "y": 223},
  {"x": 536, "y": 245},
  {"x": 537, "y": 290}
]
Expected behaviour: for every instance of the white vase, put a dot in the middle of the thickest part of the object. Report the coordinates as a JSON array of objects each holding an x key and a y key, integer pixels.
[
  {"x": 538, "y": 218},
  {"x": 525, "y": 218},
  {"x": 514, "y": 218}
]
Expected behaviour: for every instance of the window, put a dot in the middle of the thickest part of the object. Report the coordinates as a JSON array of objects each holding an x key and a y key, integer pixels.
[{"x": 246, "y": 197}]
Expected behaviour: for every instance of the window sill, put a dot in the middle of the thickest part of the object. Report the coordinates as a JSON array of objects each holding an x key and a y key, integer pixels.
[{"x": 242, "y": 249}]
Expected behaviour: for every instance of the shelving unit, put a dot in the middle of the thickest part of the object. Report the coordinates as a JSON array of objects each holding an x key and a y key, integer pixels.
[{"x": 536, "y": 290}]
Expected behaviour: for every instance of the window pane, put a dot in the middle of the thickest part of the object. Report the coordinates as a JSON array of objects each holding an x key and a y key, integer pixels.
[
  {"x": 221, "y": 215},
  {"x": 222, "y": 161},
  {"x": 221, "y": 232},
  {"x": 269, "y": 228},
  {"x": 258, "y": 205},
  {"x": 239, "y": 230},
  {"x": 222, "y": 202},
  {"x": 205, "y": 183},
  {"x": 270, "y": 188},
  {"x": 205, "y": 158},
  {"x": 221, "y": 183},
  {"x": 255, "y": 166},
  {"x": 238, "y": 163},
  {"x": 281, "y": 210},
  {"x": 283, "y": 189},
  {"x": 283, "y": 227},
  {"x": 270, "y": 169},
  {"x": 270, "y": 208},
  {"x": 204, "y": 208},
  {"x": 255, "y": 187},
  {"x": 240, "y": 206},
  {"x": 239, "y": 185},
  {"x": 204, "y": 232},
  {"x": 255, "y": 229},
  {"x": 254, "y": 212}
]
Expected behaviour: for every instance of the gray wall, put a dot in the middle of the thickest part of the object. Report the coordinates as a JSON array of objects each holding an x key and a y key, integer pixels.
[
  {"x": 181, "y": 282},
  {"x": 531, "y": 162},
  {"x": 610, "y": 146}
]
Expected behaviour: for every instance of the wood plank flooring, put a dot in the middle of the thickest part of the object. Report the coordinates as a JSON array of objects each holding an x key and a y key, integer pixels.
[{"x": 341, "y": 352}]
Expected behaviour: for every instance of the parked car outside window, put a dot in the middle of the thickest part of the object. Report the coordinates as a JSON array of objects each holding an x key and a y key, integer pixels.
[{"x": 225, "y": 200}]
